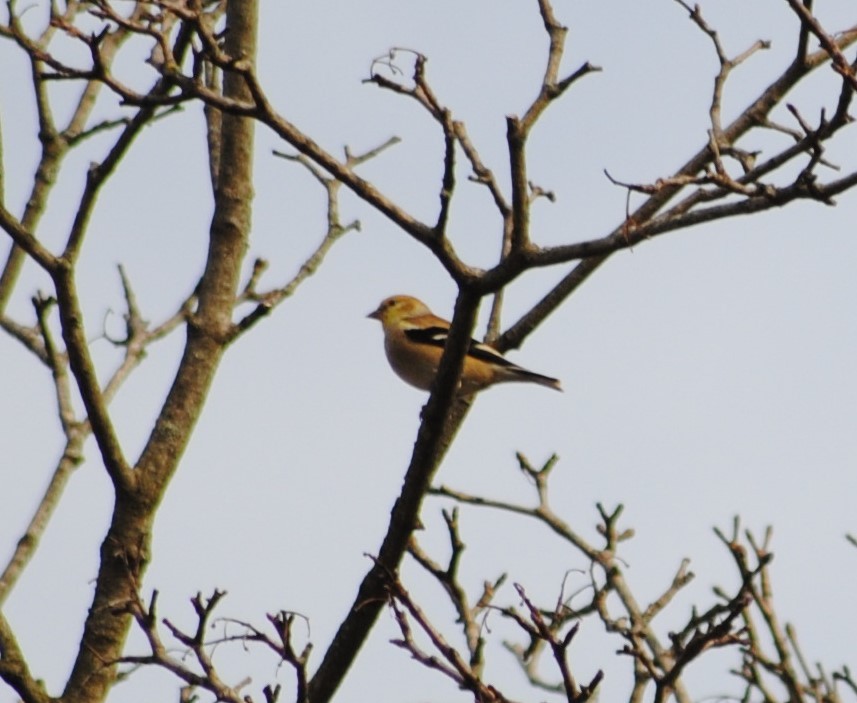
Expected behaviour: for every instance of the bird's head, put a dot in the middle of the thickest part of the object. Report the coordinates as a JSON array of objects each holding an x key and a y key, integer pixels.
[{"x": 398, "y": 307}]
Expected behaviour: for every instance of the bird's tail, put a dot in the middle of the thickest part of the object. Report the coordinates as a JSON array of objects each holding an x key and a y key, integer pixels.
[{"x": 519, "y": 374}]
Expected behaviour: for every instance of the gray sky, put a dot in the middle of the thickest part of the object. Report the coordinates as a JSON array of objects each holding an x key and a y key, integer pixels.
[{"x": 708, "y": 373}]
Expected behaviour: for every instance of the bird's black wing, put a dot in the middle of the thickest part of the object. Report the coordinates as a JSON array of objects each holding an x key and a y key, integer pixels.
[{"x": 437, "y": 336}]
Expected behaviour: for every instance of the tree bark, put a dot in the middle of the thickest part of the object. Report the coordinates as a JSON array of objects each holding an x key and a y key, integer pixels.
[{"x": 125, "y": 552}]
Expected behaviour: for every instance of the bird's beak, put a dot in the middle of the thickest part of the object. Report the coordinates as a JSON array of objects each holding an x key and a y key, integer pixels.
[{"x": 375, "y": 314}]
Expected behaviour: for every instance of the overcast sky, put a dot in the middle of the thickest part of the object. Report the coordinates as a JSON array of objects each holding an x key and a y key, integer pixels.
[{"x": 707, "y": 373}]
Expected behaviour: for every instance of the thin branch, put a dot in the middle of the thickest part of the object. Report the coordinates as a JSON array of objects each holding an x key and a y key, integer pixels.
[
  {"x": 448, "y": 579},
  {"x": 441, "y": 418},
  {"x": 559, "y": 645},
  {"x": 209, "y": 679},
  {"x": 481, "y": 173},
  {"x": 55, "y": 142},
  {"x": 267, "y": 301},
  {"x": 76, "y": 431},
  {"x": 83, "y": 368},
  {"x": 98, "y": 174},
  {"x": 635, "y": 626},
  {"x": 632, "y": 231},
  {"x": 14, "y": 669},
  {"x": 680, "y": 580},
  {"x": 28, "y": 336},
  {"x": 726, "y": 66},
  {"x": 450, "y": 663},
  {"x": 829, "y": 44},
  {"x": 28, "y": 543},
  {"x": 25, "y": 240}
]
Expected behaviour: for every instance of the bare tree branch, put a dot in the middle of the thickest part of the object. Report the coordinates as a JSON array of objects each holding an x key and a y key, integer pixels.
[
  {"x": 196, "y": 62},
  {"x": 14, "y": 669},
  {"x": 839, "y": 62},
  {"x": 269, "y": 300}
]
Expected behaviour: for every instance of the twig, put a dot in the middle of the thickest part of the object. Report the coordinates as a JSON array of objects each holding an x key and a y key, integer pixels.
[
  {"x": 450, "y": 663},
  {"x": 267, "y": 301},
  {"x": 448, "y": 579},
  {"x": 206, "y": 676},
  {"x": 839, "y": 62}
]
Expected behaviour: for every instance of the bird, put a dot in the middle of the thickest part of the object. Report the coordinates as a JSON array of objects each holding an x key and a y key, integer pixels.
[{"x": 414, "y": 339}]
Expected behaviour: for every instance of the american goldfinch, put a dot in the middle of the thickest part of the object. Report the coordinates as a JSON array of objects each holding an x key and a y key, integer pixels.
[{"x": 414, "y": 339}]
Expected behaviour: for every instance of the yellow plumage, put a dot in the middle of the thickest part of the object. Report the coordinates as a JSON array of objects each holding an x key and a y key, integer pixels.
[{"x": 414, "y": 339}]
